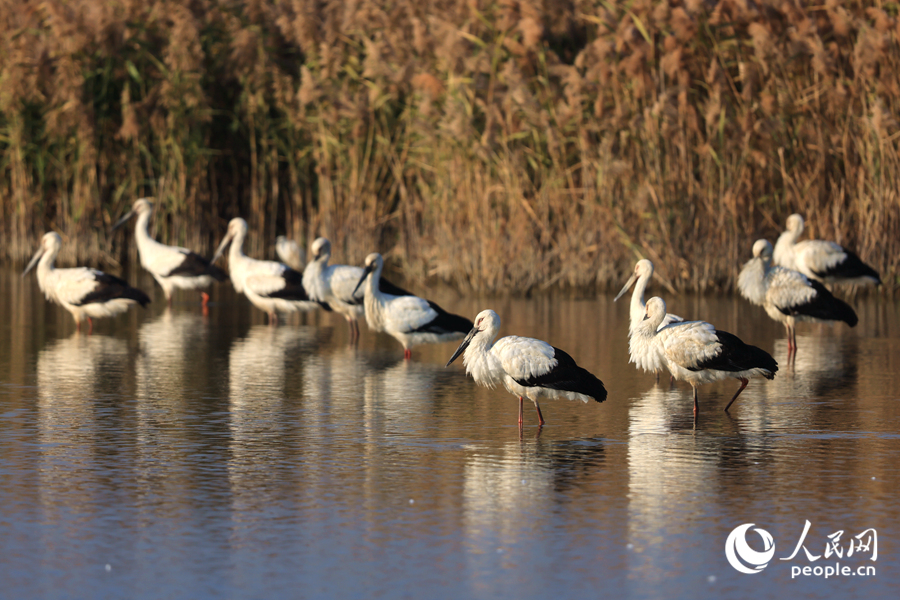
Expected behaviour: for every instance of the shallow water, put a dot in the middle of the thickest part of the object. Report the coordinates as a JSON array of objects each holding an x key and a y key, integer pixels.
[{"x": 181, "y": 456}]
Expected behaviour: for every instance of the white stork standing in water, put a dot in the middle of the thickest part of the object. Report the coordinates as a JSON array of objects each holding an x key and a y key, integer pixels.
[
  {"x": 698, "y": 353},
  {"x": 644, "y": 356},
  {"x": 821, "y": 260},
  {"x": 84, "y": 292},
  {"x": 290, "y": 253},
  {"x": 336, "y": 286},
  {"x": 171, "y": 266},
  {"x": 409, "y": 319},
  {"x": 270, "y": 286},
  {"x": 527, "y": 367},
  {"x": 789, "y": 296}
]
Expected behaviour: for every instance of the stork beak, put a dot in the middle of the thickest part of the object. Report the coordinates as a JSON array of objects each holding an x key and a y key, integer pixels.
[
  {"x": 221, "y": 249},
  {"x": 366, "y": 271},
  {"x": 122, "y": 221},
  {"x": 463, "y": 345},
  {"x": 627, "y": 285},
  {"x": 34, "y": 260}
]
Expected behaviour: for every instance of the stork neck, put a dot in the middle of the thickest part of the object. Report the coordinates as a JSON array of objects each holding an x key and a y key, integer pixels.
[
  {"x": 637, "y": 299},
  {"x": 236, "y": 251},
  {"x": 752, "y": 280},
  {"x": 142, "y": 228},
  {"x": 480, "y": 362}
]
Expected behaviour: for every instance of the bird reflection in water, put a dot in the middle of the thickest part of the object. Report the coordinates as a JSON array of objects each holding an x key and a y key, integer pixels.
[
  {"x": 826, "y": 370},
  {"x": 79, "y": 381},
  {"x": 174, "y": 347},
  {"x": 504, "y": 483},
  {"x": 261, "y": 368}
]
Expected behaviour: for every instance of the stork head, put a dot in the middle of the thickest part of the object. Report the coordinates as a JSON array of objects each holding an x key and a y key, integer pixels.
[
  {"x": 762, "y": 249},
  {"x": 321, "y": 248},
  {"x": 141, "y": 206},
  {"x": 50, "y": 244},
  {"x": 487, "y": 323},
  {"x": 642, "y": 268},
  {"x": 654, "y": 312},
  {"x": 237, "y": 230},
  {"x": 795, "y": 223},
  {"x": 374, "y": 264}
]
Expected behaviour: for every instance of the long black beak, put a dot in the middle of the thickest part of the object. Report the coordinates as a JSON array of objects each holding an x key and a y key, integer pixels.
[
  {"x": 631, "y": 281},
  {"x": 122, "y": 221},
  {"x": 34, "y": 261},
  {"x": 463, "y": 345},
  {"x": 366, "y": 271},
  {"x": 221, "y": 249}
]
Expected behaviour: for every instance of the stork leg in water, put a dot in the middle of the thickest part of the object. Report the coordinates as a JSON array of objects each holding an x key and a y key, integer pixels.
[{"x": 744, "y": 383}]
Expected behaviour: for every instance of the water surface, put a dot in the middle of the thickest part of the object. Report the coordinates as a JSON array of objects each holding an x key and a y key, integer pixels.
[{"x": 172, "y": 454}]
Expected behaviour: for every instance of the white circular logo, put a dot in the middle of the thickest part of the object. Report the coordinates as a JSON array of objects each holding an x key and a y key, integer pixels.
[{"x": 739, "y": 554}]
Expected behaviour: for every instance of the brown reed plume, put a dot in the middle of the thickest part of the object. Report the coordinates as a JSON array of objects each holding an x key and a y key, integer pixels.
[{"x": 496, "y": 145}]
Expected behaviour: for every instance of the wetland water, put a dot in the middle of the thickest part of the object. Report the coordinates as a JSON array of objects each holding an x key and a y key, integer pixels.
[{"x": 181, "y": 456}]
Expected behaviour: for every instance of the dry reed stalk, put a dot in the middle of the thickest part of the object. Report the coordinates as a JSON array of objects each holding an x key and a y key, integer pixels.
[{"x": 499, "y": 146}]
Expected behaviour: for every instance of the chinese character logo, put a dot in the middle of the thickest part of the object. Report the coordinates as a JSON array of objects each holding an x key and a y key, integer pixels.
[{"x": 744, "y": 558}]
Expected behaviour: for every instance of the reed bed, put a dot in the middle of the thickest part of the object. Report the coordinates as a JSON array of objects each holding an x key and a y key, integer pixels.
[{"x": 498, "y": 146}]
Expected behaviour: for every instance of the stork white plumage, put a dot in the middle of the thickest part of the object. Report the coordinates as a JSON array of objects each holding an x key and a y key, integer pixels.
[
  {"x": 270, "y": 286},
  {"x": 409, "y": 319},
  {"x": 335, "y": 285},
  {"x": 698, "y": 353},
  {"x": 789, "y": 296},
  {"x": 290, "y": 253},
  {"x": 172, "y": 267},
  {"x": 644, "y": 356},
  {"x": 527, "y": 367},
  {"x": 821, "y": 260},
  {"x": 86, "y": 293}
]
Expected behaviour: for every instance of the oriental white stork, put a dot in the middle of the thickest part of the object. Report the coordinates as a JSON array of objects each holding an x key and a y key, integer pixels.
[
  {"x": 335, "y": 286},
  {"x": 698, "y": 353},
  {"x": 270, "y": 286},
  {"x": 290, "y": 253},
  {"x": 789, "y": 296},
  {"x": 527, "y": 367},
  {"x": 821, "y": 260},
  {"x": 86, "y": 293},
  {"x": 644, "y": 356},
  {"x": 409, "y": 319},
  {"x": 171, "y": 266}
]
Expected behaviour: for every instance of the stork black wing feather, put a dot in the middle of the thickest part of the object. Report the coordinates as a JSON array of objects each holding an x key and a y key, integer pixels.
[
  {"x": 735, "y": 356},
  {"x": 567, "y": 376},
  {"x": 111, "y": 288},
  {"x": 195, "y": 265}
]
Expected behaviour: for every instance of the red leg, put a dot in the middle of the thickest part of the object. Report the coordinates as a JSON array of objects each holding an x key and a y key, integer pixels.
[
  {"x": 520, "y": 412},
  {"x": 90, "y": 326},
  {"x": 407, "y": 353},
  {"x": 540, "y": 416},
  {"x": 744, "y": 383},
  {"x": 696, "y": 403},
  {"x": 203, "y": 295}
]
